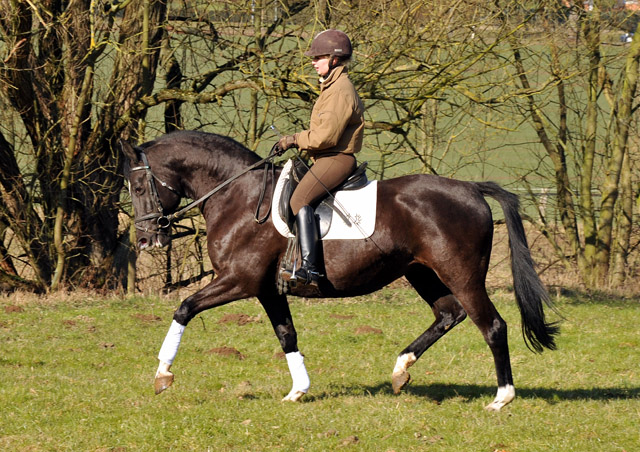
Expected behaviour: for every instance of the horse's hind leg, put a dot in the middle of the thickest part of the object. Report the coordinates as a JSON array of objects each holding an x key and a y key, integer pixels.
[
  {"x": 448, "y": 313},
  {"x": 277, "y": 309},
  {"x": 494, "y": 330}
]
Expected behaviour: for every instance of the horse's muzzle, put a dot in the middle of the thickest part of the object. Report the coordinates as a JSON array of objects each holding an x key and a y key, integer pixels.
[
  {"x": 143, "y": 243},
  {"x": 152, "y": 240}
]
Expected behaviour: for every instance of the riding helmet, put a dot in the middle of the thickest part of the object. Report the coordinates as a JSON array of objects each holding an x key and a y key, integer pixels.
[{"x": 330, "y": 42}]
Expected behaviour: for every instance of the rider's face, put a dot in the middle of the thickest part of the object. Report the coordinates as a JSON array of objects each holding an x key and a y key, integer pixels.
[{"x": 321, "y": 65}]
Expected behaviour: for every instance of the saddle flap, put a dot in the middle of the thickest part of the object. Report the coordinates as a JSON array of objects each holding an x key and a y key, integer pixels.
[
  {"x": 284, "y": 209},
  {"x": 324, "y": 212},
  {"x": 324, "y": 215}
]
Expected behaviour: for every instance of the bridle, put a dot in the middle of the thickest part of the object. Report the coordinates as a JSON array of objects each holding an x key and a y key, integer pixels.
[{"x": 163, "y": 222}]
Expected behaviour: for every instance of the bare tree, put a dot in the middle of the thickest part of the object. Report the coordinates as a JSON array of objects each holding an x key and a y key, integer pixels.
[
  {"x": 447, "y": 85},
  {"x": 582, "y": 113},
  {"x": 61, "y": 183}
]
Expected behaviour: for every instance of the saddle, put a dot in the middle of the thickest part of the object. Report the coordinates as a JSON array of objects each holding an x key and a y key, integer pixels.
[{"x": 324, "y": 209}]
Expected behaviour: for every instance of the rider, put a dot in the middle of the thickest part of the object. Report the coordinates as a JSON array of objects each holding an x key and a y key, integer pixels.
[{"x": 334, "y": 136}]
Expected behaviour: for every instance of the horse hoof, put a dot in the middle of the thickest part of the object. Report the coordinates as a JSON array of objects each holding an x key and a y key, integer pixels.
[
  {"x": 493, "y": 407},
  {"x": 496, "y": 405},
  {"x": 294, "y": 396},
  {"x": 399, "y": 381},
  {"x": 162, "y": 382}
]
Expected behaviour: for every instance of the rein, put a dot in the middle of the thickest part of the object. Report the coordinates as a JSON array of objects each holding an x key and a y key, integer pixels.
[{"x": 164, "y": 221}]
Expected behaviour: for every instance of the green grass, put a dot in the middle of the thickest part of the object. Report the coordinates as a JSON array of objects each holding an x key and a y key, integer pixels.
[{"x": 77, "y": 375}]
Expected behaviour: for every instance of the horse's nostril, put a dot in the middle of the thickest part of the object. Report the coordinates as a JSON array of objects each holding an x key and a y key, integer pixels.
[{"x": 142, "y": 242}]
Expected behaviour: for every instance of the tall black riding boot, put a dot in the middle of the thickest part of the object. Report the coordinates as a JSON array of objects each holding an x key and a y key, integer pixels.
[{"x": 307, "y": 226}]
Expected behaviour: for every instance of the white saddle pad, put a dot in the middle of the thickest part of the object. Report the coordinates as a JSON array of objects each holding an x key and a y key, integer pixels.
[{"x": 357, "y": 206}]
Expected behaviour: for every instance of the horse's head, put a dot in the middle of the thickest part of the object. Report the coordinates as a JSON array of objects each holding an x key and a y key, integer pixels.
[{"x": 153, "y": 198}]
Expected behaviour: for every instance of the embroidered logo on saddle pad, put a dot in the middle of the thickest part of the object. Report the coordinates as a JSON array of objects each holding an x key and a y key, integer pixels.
[{"x": 351, "y": 216}]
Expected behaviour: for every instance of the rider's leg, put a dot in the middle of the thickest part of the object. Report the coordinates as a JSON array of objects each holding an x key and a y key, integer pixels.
[
  {"x": 308, "y": 238},
  {"x": 326, "y": 174}
]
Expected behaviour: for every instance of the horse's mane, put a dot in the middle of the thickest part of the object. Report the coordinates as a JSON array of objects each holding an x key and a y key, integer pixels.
[{"x": 210, "y": 142}]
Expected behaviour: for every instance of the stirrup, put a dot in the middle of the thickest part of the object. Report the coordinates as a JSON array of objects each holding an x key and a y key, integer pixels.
[{"x": 301, "y": 276}]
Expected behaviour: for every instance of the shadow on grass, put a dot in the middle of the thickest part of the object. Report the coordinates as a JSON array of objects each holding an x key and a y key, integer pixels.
[{"x": 440, "y": 392}]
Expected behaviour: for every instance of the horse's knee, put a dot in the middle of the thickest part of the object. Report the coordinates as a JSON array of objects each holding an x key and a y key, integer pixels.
[
  {"x": 288, "y": 337},
  {"x": 183, "y": 315}
]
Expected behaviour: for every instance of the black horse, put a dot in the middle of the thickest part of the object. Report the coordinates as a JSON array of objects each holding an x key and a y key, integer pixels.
[{"x": 434, "y": 231}]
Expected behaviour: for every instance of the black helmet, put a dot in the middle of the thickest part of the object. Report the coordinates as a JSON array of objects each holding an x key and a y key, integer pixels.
[{"x": 330, "y": 42}]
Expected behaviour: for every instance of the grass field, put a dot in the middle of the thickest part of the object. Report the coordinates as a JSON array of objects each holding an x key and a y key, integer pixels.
[{"x": 76, "y": 374}]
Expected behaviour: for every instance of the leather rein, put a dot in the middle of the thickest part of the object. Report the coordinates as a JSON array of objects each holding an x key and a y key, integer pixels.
[{"x": 163, "y": 222}]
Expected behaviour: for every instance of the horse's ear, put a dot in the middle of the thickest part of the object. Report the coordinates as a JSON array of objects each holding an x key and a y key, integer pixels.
[{"x": 128, "y": 150}]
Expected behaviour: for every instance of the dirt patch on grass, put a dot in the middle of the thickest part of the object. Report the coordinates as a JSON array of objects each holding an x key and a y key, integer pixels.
[
  {"x": 366, "y": 329},
  {"x": 147, "y": 318},
  {"x": 341, "y": 316},
  {"x": 240, "y": 319},
  {"x": 225, "y": 351}
]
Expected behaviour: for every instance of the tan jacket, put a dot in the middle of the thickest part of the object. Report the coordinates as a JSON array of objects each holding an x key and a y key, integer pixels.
[{"x": 337, "y": 119}]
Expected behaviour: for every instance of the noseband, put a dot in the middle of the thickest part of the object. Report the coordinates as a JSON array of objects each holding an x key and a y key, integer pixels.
[{"x": 162, "y": 221}]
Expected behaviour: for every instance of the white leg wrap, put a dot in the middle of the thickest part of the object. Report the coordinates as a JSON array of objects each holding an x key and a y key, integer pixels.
[
  {"x": 169, "y": 348},
  {"x": 505, "y": 395},
  {"x": 299, "y": 375},
  {"x": 404, "y": 362}
]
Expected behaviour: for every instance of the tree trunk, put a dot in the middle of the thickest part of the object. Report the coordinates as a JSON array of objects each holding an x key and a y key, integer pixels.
[
  {"x": 588, "y": 264},
  {"x": 618, "y": 175},
  {"x": 141, "y": 37},
  {"x": 624, "y": 227}
]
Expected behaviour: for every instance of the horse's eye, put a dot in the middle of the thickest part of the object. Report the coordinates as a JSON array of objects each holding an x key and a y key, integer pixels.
[{"x": 138, "y": 190}]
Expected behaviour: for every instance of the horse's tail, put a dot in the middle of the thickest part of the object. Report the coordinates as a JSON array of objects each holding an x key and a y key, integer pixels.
[{"x": 529, "y": 291}]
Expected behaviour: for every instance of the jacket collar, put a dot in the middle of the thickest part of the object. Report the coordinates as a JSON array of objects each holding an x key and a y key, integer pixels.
[{"x": 332, "y": 77}]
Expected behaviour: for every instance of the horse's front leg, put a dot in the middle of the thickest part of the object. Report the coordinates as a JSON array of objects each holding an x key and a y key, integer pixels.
[
  {"x": 277, "y": 309},
  {"x": 216, "y": 293},
  {"x": 168, "y": 352}
]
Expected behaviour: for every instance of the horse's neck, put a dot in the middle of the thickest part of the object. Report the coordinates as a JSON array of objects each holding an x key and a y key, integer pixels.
[
  {"x": 240, "y": 194},
  {"x": 209, "y": 172}
]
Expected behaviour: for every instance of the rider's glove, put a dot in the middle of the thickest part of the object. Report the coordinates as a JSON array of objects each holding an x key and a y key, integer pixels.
[{"x": 287, "y": 142}]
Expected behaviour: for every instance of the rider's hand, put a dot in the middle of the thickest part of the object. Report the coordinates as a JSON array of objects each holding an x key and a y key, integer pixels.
[{"x": 287, "y": 142}]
